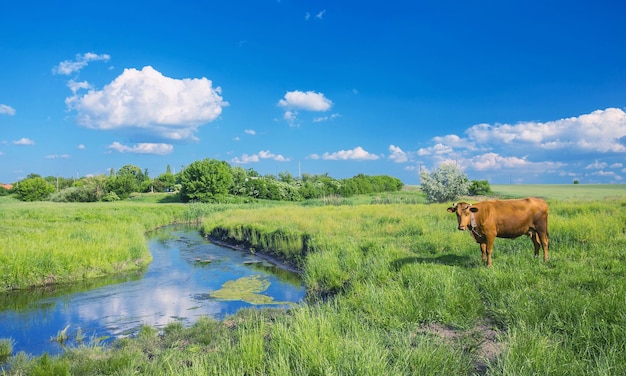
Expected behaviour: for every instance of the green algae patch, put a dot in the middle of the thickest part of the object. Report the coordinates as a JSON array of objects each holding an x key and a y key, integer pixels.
[{"x": 248, "y": 289}]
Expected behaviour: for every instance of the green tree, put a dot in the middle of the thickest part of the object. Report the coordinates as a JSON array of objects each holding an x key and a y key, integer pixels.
[
  {"x": 165, "y": 182},
  {"x": 128, "y": 179},
  {"x": 446, "y": 183},
  {"x": 479, "y": 188},
  {"x": 206, "y": 180},
  {"x": 240, "y": 178},
  {"x": 34, "y": 188}
]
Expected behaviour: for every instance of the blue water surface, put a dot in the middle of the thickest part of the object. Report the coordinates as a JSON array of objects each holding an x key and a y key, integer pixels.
[{"x": 176, "y": 286}]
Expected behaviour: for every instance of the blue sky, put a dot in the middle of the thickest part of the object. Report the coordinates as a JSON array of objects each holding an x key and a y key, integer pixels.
[{"x": 510, "y": 91}]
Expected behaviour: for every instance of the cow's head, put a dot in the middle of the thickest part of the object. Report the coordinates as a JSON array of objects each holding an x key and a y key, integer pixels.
[{"x": 463, "y": 212}]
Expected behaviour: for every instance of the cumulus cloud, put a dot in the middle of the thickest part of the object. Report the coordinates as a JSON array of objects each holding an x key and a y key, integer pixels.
[
  {"x": 251, "y": 132},
  {"x": 437, "y": 149},
  {"x": 142, "y": 148},
  {"x": 295, "y": 101},
  {"x": 24, "y": 141},
  {"x": 358, "y": 153},
  {"x": 6, "y": 110},
  {"x": 397, "y": 155},
  {"x": 599, "y": 131},
  {"x": 245, "y": 158},
  {"x": 554, "y": 147},
  {"x": 149, "y": 102},
  {"x": 310, "y": 101},
  {"x": 68, "y": 67}
]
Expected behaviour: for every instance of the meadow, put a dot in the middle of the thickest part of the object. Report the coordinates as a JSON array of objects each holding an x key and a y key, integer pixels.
[
  {"x": 392, "y": 288},
  {"x": 49, "y": 243}
]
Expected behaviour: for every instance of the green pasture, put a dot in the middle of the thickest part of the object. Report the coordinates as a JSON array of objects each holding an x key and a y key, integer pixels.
[
  {"x": 392, "y": 289},
  {"x": 46, "y": 243},
  {"x": 567, "y": 192}
]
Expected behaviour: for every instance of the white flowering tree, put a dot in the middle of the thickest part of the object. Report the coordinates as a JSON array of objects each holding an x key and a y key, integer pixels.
[{"x": 446, "y": 183}]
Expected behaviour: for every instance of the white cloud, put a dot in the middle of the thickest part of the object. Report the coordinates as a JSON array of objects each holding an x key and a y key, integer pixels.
[
  {"x": 68, "y": 67},
  {"x": 75, "y": 86},
  {"x": 320, "y": 14},
  {"x": 6, "y": 110},
  {"x": 397, "y": 155},
  {"x": 142, "y": 148},
  {"x": 245, "y": 158},
  {"x": 437, "y": 149},
  {"x": 24, "y": 141},
  {"x": 309, "y": 101},
  {"x": 80, "y": 147},
  {"x": 56, "y": 156},
  {"x": 596, "y": 165},
  {"x": 358, "y": 153},
  {"x": 599, "y": 131},
  {"x": 325, "y": 118},
  {"x": 294, "y": 101},
  {"x": 151, "y": 103},
  {"x": 558, "y": 148},
  {"x": 494, "y": 161},
  {"x": 251, "y": 132}
]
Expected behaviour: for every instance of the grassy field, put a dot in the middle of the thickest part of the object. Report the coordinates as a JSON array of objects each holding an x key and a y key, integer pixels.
[
  {"x": 45, "y": 243},
  {"x": 567, "y": 192},
  {"x": 394, "y": 288}
]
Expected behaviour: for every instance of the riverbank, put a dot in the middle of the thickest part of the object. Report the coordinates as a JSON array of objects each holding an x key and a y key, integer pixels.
[{"x": 46, "y": 243}]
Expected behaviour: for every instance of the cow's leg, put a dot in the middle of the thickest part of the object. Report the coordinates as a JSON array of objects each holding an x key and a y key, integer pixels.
[
  {"x": 545, "y": 239},
  {"x": 488, "y": 248},
  {"x": 483, "y": 250},
  {"x": 534, "y": 236}
]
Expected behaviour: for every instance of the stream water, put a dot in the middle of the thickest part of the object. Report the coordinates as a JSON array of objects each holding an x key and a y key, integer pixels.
[{"x": 189, "y": 277}]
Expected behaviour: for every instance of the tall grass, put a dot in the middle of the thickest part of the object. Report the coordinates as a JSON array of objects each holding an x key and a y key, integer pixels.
[
  {"x": 396, "y": 289},
  {"x": 45, "y": 243}
]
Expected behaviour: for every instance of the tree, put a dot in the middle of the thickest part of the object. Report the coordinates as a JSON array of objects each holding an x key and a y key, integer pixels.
[
  {"x": 128, "y": 179},
  {"x": 446, "y": 183},
  {"x": 165, "y": 182},
  {"x": 206, "y": 180},
  {"x": 34, "y": 188},
  {"x": 479, "y": 188}
]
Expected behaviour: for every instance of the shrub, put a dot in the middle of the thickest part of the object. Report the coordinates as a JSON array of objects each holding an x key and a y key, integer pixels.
[
  {"x": 33, "y": 188},
  {"x": 444, "y": 184},
  {"x": 479, "y": 188},
  {"x": 75, "y": 194},
  {"x": 111, "y": 196}
]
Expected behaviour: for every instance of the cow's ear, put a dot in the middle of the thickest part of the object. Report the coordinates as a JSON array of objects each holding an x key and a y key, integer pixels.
[
  {"x": 473, "y": 209},
  {"x": 452, "y": 209}
]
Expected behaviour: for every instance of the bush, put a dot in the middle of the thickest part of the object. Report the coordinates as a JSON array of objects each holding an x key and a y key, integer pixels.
[
  {"x": 75, "y": 194},
  {"x": 111, "y": 196},
  {"x": 479, "y": 188},
  {"x": 444, "y": 184},
  {"x": 33, "y": 188}
]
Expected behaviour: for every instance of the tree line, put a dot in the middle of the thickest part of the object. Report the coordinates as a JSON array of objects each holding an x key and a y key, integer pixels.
[{"x": 206, "y": 180}]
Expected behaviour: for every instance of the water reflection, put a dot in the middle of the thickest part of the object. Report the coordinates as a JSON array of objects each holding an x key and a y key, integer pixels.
[{"x": 177, "y": 286}]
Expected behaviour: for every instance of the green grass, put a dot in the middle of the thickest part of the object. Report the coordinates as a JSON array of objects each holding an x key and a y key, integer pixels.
[
  {"x": 396, "y": 289},
  {"x": 46, "y": 243},
  {"x": 567, "y": 192}
]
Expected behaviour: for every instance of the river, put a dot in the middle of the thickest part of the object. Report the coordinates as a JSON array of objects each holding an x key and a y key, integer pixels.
[{"x": 188, "y": 277}]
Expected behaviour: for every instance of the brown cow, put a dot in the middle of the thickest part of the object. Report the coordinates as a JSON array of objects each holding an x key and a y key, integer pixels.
[{"x": 487, "y": 220}]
